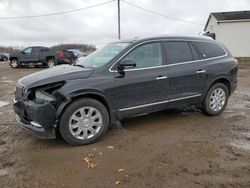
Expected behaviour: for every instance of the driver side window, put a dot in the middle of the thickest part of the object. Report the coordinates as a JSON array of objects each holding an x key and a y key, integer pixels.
[
  {"x": 147, "y": 55},
  {"x": 27, "y": 50}
]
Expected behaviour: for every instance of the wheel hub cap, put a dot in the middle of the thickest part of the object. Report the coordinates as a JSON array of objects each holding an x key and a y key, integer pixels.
[
  {"x": 217, "y": 99},
  {"x": 85, "y": 123}
]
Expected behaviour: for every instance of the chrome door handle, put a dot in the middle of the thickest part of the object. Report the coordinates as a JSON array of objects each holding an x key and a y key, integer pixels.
[
  {"x": 161, "y": 77},
  {"x": 200, "y": 71}
]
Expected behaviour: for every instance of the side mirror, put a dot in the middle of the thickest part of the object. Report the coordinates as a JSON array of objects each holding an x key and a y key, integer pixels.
[
  {"x": 126, "y": 63},
  {"x": 22, "y": 52}
]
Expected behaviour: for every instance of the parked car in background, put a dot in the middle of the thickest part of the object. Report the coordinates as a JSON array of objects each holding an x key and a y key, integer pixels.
[
  {"x": 4, "y": 56},
  {"x": 124, "y": 79},
  {"x": 77, "y": 52},
  {"x": 40, "y": 56}
]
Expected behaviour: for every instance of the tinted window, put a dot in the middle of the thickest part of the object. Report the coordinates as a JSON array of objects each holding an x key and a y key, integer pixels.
[
  {"x": 147, "y": 55},
  {"x": 209, "y": 50},
  {"x": 178, "y": 52}
]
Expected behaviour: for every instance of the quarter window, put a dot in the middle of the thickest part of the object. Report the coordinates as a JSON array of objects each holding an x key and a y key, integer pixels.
[
  {"x": 210, "y": 50},
  {"x": 147, "y": 55},
  {"x": 178, "y": 52}
]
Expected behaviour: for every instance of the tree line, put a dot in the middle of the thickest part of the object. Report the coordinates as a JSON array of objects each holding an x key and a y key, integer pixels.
[{"x": 86, "y": 48}]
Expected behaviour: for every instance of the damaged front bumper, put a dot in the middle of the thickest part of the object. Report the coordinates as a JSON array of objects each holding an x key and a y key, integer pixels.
[{"x": 37, "y": 118}]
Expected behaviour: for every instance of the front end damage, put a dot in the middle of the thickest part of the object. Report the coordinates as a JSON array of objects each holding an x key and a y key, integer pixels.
[{"x": 36, "y": 109}]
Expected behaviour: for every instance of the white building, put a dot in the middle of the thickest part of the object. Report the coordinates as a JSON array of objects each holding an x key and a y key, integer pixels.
[{"x": 232, "y": 29}]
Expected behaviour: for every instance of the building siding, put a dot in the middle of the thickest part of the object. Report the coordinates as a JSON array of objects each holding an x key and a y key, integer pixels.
[{"x": 234, "y": 35}]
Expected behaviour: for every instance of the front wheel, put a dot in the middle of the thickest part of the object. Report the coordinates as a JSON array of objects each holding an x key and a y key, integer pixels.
[
  {"x": 216, "y": 99},
  {"x": 51, "y": 63},
  {"x": 84, "y": 122},
  {"x": 14, "y": 63}
]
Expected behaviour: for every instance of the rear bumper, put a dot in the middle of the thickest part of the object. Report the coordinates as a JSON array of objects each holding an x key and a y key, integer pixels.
[
  {"x": 64, "y": 61},
  {"x": 38, "y": 119}
]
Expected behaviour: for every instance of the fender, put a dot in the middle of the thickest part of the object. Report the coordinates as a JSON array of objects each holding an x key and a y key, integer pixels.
[{"x": 91, "y": 93}]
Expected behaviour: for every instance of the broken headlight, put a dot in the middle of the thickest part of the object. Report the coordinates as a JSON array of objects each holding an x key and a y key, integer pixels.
[
  {"x": 45, "y": 93},
  {"x": 43, "y": 96}
]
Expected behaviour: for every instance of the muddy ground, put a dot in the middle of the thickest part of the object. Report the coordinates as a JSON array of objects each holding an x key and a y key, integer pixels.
[{"x": 167, "y": 149}]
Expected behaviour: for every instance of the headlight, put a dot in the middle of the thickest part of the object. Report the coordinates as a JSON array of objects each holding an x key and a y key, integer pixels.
[{"x": 41, "y": 95}]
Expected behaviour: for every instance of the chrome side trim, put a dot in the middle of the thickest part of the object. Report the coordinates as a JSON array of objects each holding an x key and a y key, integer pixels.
[
  {"x": 182, "y": 98},
  {"x": 155, "y": 103},
  {"x": 141, "y": 106},
  {"x": 174, "y": 64}
]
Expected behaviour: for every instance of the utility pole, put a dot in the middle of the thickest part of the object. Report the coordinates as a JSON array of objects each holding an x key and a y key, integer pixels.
[{"x": 119, "y": 20}]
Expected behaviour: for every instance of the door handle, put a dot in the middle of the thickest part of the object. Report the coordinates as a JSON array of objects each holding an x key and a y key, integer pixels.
[
  {"x": 161, "y": 77},
  {"x": 200, "y": 71}
]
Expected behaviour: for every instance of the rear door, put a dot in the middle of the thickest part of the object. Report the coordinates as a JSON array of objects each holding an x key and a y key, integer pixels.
[
  {"x": 142, "y": 89},
  {"x": 187, "y": 74}
]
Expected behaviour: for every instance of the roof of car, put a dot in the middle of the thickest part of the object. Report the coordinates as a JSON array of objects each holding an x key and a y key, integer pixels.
[{"x": 165, "y": 37}]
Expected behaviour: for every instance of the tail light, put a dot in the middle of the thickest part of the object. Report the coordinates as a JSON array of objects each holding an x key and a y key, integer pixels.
[
  {"x": 61, "y": 54},
  {"x": 236, "y": 62}
]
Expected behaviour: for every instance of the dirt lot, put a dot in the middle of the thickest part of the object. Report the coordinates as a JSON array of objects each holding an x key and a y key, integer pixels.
[{"x": 166, "y": 149}]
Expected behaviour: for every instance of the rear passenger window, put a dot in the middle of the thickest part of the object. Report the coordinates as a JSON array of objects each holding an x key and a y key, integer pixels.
[
  {"x": 178, "y": 52},
  {"x": 209, "y": 50}
]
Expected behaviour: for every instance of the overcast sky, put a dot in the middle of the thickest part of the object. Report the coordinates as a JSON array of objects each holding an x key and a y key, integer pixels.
[{"x": 99, "y": 24}]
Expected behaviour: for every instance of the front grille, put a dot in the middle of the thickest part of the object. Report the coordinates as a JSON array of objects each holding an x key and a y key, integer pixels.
[{"x": 20, "y": 90}]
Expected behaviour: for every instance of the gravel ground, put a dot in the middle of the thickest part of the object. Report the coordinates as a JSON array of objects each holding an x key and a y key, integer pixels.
[{"x": 181, "y": 148}]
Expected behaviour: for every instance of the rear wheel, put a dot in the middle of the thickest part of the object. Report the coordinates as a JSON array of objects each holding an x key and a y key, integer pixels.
[
  {"x": 14, "y": 63},
  {"x": 51, "y": 63},
  {"x": 5, "y": 59},
  {"x": 84, "y": 122},
  {"x": 216, "y": 99}
]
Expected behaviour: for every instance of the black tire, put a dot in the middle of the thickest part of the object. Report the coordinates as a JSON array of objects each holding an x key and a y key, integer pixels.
[
  {"x": 14, "y": 63},
  {"x": 5, "y": 59},
  {"x": 51, "y": 63},
  {"x": 206, "y": 105},
  {"x": 64, "y": 126}
]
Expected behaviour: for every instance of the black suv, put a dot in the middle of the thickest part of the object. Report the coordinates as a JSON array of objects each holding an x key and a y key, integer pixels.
[{"x": 124, "y": 79}]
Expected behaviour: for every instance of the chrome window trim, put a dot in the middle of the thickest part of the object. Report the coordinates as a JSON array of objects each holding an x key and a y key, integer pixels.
[
  {"x": 174, "y": 64},
  {"x": 155, "y": 103}
]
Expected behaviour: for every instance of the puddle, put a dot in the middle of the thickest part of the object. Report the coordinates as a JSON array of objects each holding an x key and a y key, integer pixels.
[
  {"x": 244, "y": 142},
  {"x": 3, "y": 172},
  {"x": 2, "y": 104},
  {"x": 241, "y": 145},
  {"x": 7, "y": 81}
]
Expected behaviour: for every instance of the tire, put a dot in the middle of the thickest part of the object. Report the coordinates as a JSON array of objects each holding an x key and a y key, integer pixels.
[
  {"x": 14, "y": 63},
  {"x": 51, "y": 63},
  {"x": 5, "y": 59},
  {"x": 216, "y": 100},
  {"x": 77, "y": 124}
]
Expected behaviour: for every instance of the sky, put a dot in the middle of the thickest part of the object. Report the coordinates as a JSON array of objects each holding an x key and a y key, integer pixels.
[{"x": 98, "y": 25}]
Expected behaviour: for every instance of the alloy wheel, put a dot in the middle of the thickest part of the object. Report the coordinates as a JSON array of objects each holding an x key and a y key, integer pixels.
[
  {"x": 217, "y": 99},
  {"x": 85, "y": 123}
]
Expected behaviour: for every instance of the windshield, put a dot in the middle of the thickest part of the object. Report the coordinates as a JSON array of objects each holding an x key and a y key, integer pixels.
[{"x": 102, "y": 56}]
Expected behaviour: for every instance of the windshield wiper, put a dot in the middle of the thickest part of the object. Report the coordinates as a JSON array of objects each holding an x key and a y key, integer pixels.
[{"x": 78, "y": 65}]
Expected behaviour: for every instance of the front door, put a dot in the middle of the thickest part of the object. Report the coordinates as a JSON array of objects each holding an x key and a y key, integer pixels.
[
  {"x": 26, "y": 55},
  {"x": 142, "y": 88}
]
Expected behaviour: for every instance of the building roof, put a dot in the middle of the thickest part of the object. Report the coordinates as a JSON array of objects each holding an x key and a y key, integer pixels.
[
  {"x": 237, "y": 15},
  {"x": 233, "y": 16}
]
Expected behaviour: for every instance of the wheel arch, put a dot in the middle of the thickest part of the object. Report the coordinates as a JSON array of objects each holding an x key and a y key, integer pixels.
[
  {"x": 11, "y": 58},
  {"x": 49, "y": 57},
  {"x": 223, "y": 80},
  {"x": 92, "y": 95}
]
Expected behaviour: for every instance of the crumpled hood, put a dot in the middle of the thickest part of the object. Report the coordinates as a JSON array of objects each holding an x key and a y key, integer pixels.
[{"x": 55, "y": 74}]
